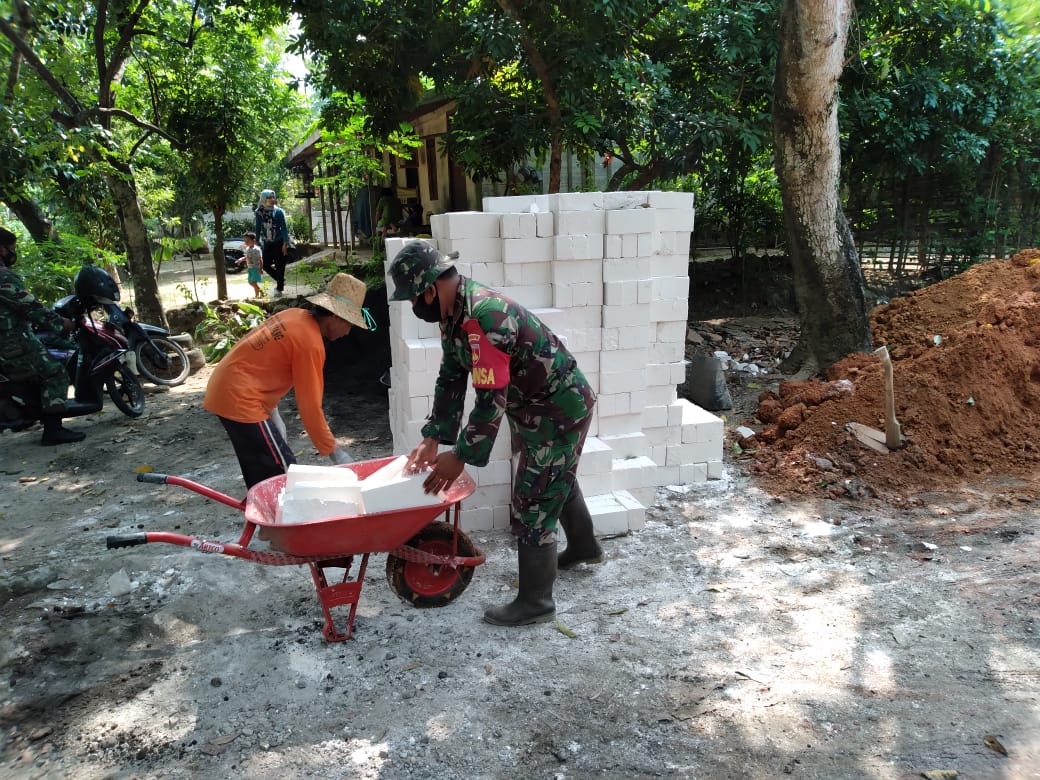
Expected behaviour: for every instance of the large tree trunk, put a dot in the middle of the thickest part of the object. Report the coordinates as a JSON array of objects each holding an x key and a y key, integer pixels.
[
  {"x": 138, "y": 249},
  {"x": 218, "y": 253},
  {"x": 33, "y": 218},
  {"x": 827, "y": 278}
]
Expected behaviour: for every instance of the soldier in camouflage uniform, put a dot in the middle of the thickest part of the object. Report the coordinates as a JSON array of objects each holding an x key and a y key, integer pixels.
[
  {"x": 22, "y": 356},
  {"x": 520, "y": 371}
]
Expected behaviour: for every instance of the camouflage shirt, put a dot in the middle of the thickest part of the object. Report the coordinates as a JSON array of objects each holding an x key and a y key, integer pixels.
[
  {"x": 19, "y": 308},
  {"x": 518, "y": 368}
]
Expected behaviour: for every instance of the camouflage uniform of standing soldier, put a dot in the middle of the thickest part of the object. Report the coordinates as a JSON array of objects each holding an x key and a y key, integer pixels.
[
  {"x": 22, "y": 356},
  {"x": 521, "y": 371}
]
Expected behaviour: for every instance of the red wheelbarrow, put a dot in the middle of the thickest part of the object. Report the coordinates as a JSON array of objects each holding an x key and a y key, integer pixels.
[{"x": 429, "y": 562}]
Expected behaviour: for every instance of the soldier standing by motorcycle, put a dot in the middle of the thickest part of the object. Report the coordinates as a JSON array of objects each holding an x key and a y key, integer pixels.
[{"x": 22, "y": 356}]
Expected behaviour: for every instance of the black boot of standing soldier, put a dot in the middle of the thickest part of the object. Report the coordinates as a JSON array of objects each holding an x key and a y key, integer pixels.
[
  {"x": 55, "y": 433},
  {"x": 576, "y": 521},
  {"x": 534, "y": 602}
]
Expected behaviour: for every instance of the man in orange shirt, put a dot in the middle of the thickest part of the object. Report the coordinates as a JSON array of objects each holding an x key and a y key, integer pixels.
[{"x": 286, "y": 352}]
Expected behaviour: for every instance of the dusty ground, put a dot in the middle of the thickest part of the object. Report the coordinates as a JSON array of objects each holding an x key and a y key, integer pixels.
[{"x": 745, "y": 632}]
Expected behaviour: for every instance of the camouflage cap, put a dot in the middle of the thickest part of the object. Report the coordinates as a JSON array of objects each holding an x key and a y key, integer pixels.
[{"x": 415, "y": 269}]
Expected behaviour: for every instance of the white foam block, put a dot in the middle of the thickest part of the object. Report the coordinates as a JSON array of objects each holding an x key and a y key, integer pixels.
[{"x": 390, "y": 489}]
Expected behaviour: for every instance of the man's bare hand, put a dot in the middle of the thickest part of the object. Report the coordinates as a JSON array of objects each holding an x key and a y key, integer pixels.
[
  {"x": 445, "y": 470},
  {"x": 422, "y": 457}
]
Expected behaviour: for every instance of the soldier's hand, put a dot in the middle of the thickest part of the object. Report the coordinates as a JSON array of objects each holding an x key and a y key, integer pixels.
[
  {"x": 445, "y": 471},
  {"x": 422, "y": 457}
]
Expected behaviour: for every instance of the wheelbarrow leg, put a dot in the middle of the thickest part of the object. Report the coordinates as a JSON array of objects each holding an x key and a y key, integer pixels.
[{"x": 338, "y": 594}]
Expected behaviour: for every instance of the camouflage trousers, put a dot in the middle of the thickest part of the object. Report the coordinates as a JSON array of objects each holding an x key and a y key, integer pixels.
[
  {"x": 545, "y": 474},
  {"x": 26, "y": 359}
]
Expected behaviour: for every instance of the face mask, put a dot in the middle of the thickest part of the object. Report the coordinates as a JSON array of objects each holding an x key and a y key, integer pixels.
[{"x": 429, "y": 312}]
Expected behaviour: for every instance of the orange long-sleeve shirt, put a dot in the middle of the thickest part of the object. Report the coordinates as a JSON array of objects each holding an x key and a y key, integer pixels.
[{"x": 284, "y": 353}]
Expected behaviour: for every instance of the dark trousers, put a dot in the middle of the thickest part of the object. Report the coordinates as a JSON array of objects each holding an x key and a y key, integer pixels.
[
  {"x": 274, "y": 262},
  {"x": 261, "y": 450}
]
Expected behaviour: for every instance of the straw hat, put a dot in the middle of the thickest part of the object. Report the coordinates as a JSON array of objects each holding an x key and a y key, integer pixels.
[{"x": 344, "y": 297}]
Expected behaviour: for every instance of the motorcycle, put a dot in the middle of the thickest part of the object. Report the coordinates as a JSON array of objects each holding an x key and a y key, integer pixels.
[
  {"x": 155, "y": 355},
  {"x": 97, "y": 363}
]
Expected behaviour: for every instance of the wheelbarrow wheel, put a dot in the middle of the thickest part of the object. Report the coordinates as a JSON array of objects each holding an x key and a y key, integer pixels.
[{"x": 424, "y": 585}]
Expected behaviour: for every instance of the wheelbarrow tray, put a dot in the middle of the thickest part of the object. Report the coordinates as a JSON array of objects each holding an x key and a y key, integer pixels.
[{"x": 353, "y": 535}]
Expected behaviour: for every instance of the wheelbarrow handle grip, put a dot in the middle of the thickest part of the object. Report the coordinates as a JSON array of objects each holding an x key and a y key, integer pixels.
[
  {"x": 130, "y": 540},
  {"x": 149, "y": 476}
]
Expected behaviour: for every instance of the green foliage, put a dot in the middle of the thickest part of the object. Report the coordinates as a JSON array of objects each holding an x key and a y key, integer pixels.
[
  {"x": 49, "y": 268},
  {"x": 236, "y": 228},
  {"x": 221, "y": 331},
  {"x": 299, "y": 227}
]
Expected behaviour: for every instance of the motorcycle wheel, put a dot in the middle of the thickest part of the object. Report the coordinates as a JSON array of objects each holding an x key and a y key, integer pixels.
[
  {"x": 162, "y": 361},
  {"x": 126, "y": 392}
]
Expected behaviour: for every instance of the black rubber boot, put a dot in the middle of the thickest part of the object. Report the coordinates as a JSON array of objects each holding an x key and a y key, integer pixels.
[
  {"x": 54, "y": 433},
  {"x": 576, "y": 521},
  {"x": 534, "y": 603}
]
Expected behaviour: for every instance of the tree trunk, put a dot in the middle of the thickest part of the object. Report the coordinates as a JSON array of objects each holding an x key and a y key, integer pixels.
[
  {"x": 218, "y": 253},
  {"x": 138, "y": 249},
  {"x": 827, "y": 278},
  {"x": 33, "y": 218}
]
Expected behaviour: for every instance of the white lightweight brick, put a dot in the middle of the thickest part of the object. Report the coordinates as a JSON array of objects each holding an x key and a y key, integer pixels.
[
  {"x": 630, "y": 245},
  {"x": 663, "y": 436},
  {"x": 465, "y": 224},
  {"x": 577, "y": 272},
  {"x": 626, "y": 316},
  {"x": 635, "y": 337},
  {"x": 535, "y": 296},
  {"x": 675, "y": 220},
  {"x": 670, "y": 331},
  {"x": 620, "y": 293},
  {"x": 609, "y": 404},
  {"x": 491, "y": 495},
  {"x": 583, "y": 341},
  {"x": 492, "y": 274},
  {"x": 578, "y": 246},
  {"x": 476, "y": 518},
  {"x": 666, "y": 352},
  {"x": 519, "y": 225},
  {"x": 668, "y": 310},
  {"x": 422, "y": 383},
  {"x": 419, "y": 407},
  {"x": 664, "y": 288},
  {"x": 659, "y": 374},
  {"x": 633, "y": 473},
  {"x": 669, "y": 265},
  {"x": 473, "y": 250},
  {"x": 636, "y": 506},
  {"x": 596, "y": 457},
  {"x": 662, "y": 394},
  {"x": 563, "y": 296},
  {"x": 586, "y": 294},
  {"x": 621, "y": 423},
  {"x": 621, "y": 221},
  {"x": 580, "y": 222},
  {"x": 645, "y": 289},
  {"x": 544, "y": 224},
  {"x": 668, "y": 475},
  {"x": 394, "y": 245},
  {"x": 501, "y": 516},
  {"x": 496, "y": 472},
  {"x": 609, "y": 515},
  {"x": 626, "y": 360},
  {"x": 690, "y": 473},
  {"x": 625, "y": 269},
  {"x": 527, "y": 250},
  {"x": 669, "y": 242},
  {"x": 580, "y": 201},
  {"x": 612, "y": 247},
  {"x": 648, "y": 244},
  {"x": 527, "y": 274},
  {"x": 714, "y": 469},
  {"x": 654, "y": 417},
  {"x": 625, "y": 200},
  {"x": 670, "y": 200},
  {"x": 553, "y": 318},
  {"x": 644, "y": 496},
  {"x": 628, "y": 445},
  {"x": 585, "y": 317},
  {"x": 596, "y": 484},
  {"x": 699, "y": 425},
  {"x": 506, "y": 204},
  {"x": 502, "y": 449}
]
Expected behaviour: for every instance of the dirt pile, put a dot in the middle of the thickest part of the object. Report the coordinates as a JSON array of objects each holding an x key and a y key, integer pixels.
[{"x": 966, "y": 359}]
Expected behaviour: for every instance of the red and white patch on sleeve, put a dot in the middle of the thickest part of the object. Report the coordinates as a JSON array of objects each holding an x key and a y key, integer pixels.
[{"x": 490, "y": 364}]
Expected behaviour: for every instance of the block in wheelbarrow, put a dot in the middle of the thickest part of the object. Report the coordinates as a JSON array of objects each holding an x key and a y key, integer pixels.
[{"x": 358, "y": 534}]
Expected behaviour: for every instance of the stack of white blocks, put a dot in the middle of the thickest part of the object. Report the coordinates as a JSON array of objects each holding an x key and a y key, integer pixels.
[{"x": 608, "y": 273}]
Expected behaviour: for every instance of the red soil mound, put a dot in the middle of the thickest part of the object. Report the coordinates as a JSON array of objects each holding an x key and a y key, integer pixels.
[{"x": 966, "y": 361}]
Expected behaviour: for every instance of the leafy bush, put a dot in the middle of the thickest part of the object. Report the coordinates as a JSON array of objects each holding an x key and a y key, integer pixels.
[
  {"x": 49, "y": 268},
  {"x": 235, "y": 228},
  {"x": 221, "y": 330},
  {"x": 299, "y": 227}
]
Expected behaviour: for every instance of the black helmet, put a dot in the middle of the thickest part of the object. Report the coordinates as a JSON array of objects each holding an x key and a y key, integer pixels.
[{"x": 95, "y": 283}]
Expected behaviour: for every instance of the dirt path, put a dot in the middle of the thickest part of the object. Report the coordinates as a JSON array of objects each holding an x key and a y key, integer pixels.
[{"x": 738, "y": 635}]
